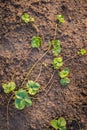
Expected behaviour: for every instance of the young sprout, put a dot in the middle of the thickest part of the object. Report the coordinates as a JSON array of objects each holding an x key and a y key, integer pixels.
[
  {"x": 57, "y": 62},
  {"x": 60, "y": 18},
  {"x": 59, "y": 124},
  {"x": 81, "y": 52},
  {"x": 32, "y": 87},
  {"x": 27, "y": 18},
  {"x": 9, "y": 87},
  {"x": 36, "y": 42},
  {"x": 56, "y": 43},
  {"x": 65, "y": 81},
  {"x": 56, "y": 47},
  {"x": 64, "y": 73},
  {"x": 22, "y": 99}
]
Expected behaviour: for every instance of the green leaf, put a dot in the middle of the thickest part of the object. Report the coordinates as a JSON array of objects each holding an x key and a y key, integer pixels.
[
  {"x": 61, "y": 122},
  {"x": 9, "y": 87},
  {"x": 57, "y": 62},
  {"x": 64, "y": 81},
  {"x": 56, "y": 47},
  {"x": 56, "y": 51},
  {"x": 19, "y": 104},
  {"x": 54, "y": 124},
  {"x": 27, "y": 18},
  {"x": 81, "y": 52},
  {"x": 32, "y": 91},
  {"x": 36, "y": 42},
  {"x": 22, "y": 99},
  {"x": 33, "y": 87},
  {"x": 64, "y": 73},
  {"x": 56, "y": 43},
  {"x": 60, "y": 18},
  {"x": 21, "y": 94},
  {"x": 28, "y": 101},
  {"x": 62, "y": 128}
]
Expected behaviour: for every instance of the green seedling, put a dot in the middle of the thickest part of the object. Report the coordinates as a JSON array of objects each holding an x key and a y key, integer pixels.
[
  {"x": 60, "y": 18},
  {"x": 81, "y": 52},
  {"x": 32, "y": 87},
  {"x": 59, "y": 124},
  {"x": 56, "y": 47},
  {"x": 56, "y": 51},
  {"x": 65, "y": 81},
  {"x": 9, "y": 87},
  {"x": 56, "y": 43},
  {"x": 36, "y": 42},
  {"x": 22, "y": 99},
  {"x": 64, "y": 73},
  {"x": 57, "y": 62},
  {"x": 27, "y": 18}
]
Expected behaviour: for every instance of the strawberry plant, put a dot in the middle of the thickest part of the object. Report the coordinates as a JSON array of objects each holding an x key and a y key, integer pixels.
[
  {"x": 57, "y": 62},
  {"x": 32, "y": 87},
  {"x": 64, "y": 81},
  {"x": 9, "y": 87},
  {"x": 60, "y": 18},
  {"x": 27, "y": 18},
  {"x": 56, "y": 43},
  {"x": 64, "y": 73},
  {"x": 36, "y": 42},
  {"x": 81, "y": 52},
  {"x": 22, "y": 99},
  {"x": 64, "y": 76},
  {"x": 56, "y": 47},
  {"x": 59, "y": 124}
]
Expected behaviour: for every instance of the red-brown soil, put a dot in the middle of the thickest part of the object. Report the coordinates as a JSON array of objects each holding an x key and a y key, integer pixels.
[{"x": 17, "y": 57}]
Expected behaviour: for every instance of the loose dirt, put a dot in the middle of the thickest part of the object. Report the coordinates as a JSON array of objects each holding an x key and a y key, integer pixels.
[{"x": 17, "y": 57}]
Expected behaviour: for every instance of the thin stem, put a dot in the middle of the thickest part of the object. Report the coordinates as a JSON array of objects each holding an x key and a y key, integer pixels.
[
  {"x": 39, "y": 73},
  {"x": 8, "y": 110},
  {"x": 35, "y": 26},
  {"x": 30, "y": 70},
  {"x": 42, "y": 89},
  {"x": 44, "y": 94},
  {"x": 49, "y": 89},
  {"x": 70, "y": 58}
]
